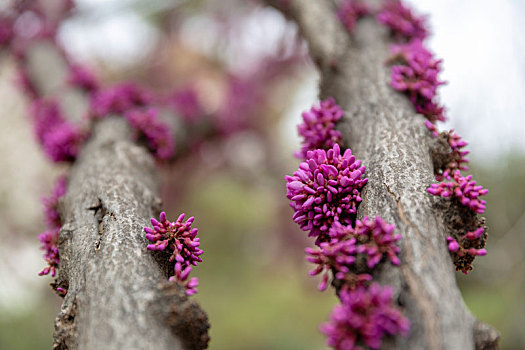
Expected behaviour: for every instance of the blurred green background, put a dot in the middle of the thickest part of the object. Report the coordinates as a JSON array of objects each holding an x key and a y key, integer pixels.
[{"x": 253, "y": 281}]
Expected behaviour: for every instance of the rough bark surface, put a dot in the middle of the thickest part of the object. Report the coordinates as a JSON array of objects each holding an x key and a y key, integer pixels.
[
  {"x": 383, "y": 130},
  {"x": 117, "y": 296}
]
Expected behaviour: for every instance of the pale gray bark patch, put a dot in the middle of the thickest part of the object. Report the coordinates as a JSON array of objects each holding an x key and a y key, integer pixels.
[
  {"x": 383, "y": 130},
  {"x": 117, "y": 297}
]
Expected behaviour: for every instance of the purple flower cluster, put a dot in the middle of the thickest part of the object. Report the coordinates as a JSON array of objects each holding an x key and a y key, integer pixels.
[
  {"x": 6, "y": 30},
  {"x": 415, "y": 73},
  {"x": 147, "y": 124},
  {"x": 350, "y": 11},
  {"x": 49, "y": 244},
  {"x": 60, "y": 139},
  {"x": 318, "y": 127},
  {"x": 119, "y": 99},
  {"x": 49, "y": 239},
  {"x": 51, "y": 203},
  {"x": 324, "y": 194},
  {"x": 403, "y": 23},
  {"x": 325, "y": 189},
  {"x": 376, "y": 239},
  {"x": 464, "y": 189},
  {"x": 457, "y": 157},
  {"x": 337, "y": 255},
  {"x": 370, "y": 238},
  {"x": 365, "y": 316},
  {"x": 181, "y": 277},
  {"x": 181, "y": 241},
  {"x": 81, "y": 77}
]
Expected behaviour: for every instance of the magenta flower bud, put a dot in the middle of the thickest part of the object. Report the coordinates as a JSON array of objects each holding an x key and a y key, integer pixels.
[{"x": 453, "y": 246}]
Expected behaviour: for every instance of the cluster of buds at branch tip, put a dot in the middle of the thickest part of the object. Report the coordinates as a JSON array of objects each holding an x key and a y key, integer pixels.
[{"x": 180, "y": 240}]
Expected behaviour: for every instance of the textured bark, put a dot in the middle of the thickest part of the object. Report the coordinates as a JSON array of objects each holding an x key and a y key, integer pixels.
[
  {"x": 383, "y": 130},
  {"x": 118, "y": 297}
]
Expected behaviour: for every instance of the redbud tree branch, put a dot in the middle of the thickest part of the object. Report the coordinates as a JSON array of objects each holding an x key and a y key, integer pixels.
[
  {"x": 383, "y": 130},
  {"x": 117, "y": 291}
]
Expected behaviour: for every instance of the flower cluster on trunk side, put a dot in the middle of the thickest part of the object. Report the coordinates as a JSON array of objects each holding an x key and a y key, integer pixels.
[
  {"x": 324, "y": 194},
  {"x": 179, "y": 239}
]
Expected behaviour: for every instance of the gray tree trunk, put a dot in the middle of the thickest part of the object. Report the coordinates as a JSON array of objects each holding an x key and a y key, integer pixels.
[
  {"x": 118, "y": 296},
  {"x": 383, "y": 130}
]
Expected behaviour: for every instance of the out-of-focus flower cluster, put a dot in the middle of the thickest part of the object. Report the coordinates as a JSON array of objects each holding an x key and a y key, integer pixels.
[
  {"x": 403, "y": 23},
  {"x": 350, "y": 11},
  {"x": 365, "y": 317},
  {"x": 49, "y": 239},
  {"x": 83, "y": 78},
  {"x": 180, "y": 240},
  {"x": 59, "y": 138},
  {"x": 318, "y": 127},
  {"x": 118, "y": 99},
  {"x": 146, "y": 123},
  {"x": 324, "y": 193}
]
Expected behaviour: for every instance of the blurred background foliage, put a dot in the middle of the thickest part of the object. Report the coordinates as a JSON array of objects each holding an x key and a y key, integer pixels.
[{"x": 254, "y": 282}]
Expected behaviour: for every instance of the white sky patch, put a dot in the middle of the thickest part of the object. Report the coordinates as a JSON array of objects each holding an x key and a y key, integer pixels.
[{"x": 481, "y": 43}]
